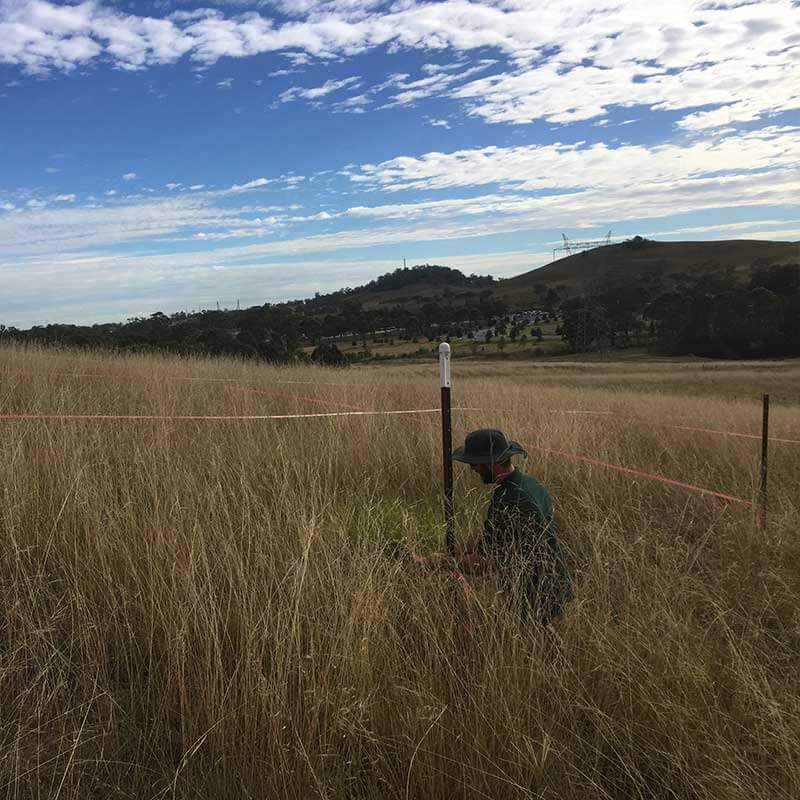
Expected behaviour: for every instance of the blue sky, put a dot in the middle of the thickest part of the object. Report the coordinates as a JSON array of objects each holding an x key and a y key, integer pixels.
[{"x": 168, "y": 155}]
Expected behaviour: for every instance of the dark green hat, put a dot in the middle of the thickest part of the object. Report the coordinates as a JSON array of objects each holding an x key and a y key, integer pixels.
[{"x": 487, "y": 446}]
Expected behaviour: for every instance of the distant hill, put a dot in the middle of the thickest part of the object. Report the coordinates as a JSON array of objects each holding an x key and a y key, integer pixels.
[
  {"x": 429, "y": 283},
  {"x": 639, "y": 256},
  {"x": 428, "y": 301},
  {"x": 413, "y": 286}
]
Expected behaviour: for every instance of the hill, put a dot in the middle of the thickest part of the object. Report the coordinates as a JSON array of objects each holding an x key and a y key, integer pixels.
[
  {"x": 639, "y": 256},
  {"x": 656, "y": 280},
  {"x": 411, "y": 287}
]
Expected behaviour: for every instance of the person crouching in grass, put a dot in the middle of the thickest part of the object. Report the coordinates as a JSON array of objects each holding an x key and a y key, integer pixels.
[{"x": 519, "y": 540}]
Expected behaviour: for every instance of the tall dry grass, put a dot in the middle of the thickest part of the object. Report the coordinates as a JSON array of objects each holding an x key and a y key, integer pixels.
[{"x": 210, "y": 609}]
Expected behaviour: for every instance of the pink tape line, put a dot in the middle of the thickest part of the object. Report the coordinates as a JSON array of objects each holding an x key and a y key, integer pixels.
[
  {"x": 302, "y": 398},
  {"x": 188, "y": 417},
  {"x": 673, "y": 427},
  {"x": 641, "y": 474},
  {"x": 110, "y": 376},
  {"x": 266, "y": 392},
  {"x": 726, "y": 433}
]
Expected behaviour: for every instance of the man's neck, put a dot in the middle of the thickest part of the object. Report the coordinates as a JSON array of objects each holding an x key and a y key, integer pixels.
[{"x": 501, "y": 476}]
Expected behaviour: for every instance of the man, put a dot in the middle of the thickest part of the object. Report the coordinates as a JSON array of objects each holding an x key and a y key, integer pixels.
[{"x": 519, "y": 536}]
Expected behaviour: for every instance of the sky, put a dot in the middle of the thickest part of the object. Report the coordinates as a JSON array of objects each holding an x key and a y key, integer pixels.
[{"x": 166, "y": 155}]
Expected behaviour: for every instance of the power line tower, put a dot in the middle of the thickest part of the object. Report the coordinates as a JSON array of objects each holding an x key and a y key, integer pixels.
[{"x": 573, "y": 247}]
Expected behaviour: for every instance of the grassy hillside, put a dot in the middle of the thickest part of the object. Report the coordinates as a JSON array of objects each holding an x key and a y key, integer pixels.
[
  {"x": 573, "y": 271},
  {"x": 651, "y": 256},
  {"x": 209, "y": 607}
]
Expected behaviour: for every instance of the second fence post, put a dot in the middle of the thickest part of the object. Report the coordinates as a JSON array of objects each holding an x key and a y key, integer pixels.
[
  {"x": 761, "y": 513},
  {"x": 447, "y": 447}
]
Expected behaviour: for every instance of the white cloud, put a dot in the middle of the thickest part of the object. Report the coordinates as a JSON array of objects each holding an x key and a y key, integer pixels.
[
  {"x": 57, "y": 230},
  {"x": 254, "y": 184},
  {"x": 569, "y": 61},
  {"x": 110, "y": 192},
  {"x": 537, "y": 188},
  {"x": 226, "y": 83},
  {"x": 353, "y": 105},
  {"x": 7, "y": 207},
  {"x": 777, "y": 229},
  {"x": 631, "y": 168},
  {"x": 431, "y": 69},
  {"x": 435, "y": 83},
  {"x": 315, "y": 92},
  {"x": 65, "y": 198},
  {"x": 129, "y": 176}
]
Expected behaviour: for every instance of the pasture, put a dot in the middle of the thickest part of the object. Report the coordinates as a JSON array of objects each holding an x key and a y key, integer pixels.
[{"x": 209, "y": 607}]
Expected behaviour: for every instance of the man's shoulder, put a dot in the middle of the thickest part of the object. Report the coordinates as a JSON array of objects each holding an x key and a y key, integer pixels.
[
  {"x": 533, "y": 485},
  {"x": 528, "y": 491}
]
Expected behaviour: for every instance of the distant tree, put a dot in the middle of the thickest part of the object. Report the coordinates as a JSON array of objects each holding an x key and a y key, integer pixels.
[
  {"x": 782, "y": 279},
  {"x": 328, "y": 354},
  {"x": 585, "y": 325},
  {"x": 636, "y": 243}
]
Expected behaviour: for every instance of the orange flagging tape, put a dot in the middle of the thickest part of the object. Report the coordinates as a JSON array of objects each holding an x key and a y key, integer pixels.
[
  {"x": 691, "y": 428},
  {"x": 725, "y": 433},
  {"x": 302, "y": 398},
  {"x": 214, "y": 418},
  {"x": 53, "y": 375},
  {"x": 266, "y": 392},
  {"x": 324, "y": 383},
  {"x": 653, "y": 476}
]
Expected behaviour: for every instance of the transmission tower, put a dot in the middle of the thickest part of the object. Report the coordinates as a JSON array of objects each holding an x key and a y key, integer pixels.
[{"x": 571, "y": 248}]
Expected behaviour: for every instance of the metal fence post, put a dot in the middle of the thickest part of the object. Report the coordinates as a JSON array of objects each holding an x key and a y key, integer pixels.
[{"x": 447, "y": 446}]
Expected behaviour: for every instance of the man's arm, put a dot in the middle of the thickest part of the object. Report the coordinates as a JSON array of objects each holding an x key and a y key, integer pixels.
[{"x": 470, "y": 556}]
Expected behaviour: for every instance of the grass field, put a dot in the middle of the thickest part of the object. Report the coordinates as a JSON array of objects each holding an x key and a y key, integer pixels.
[
  {"x": 209, "y": 609},
  {"x": 550, "y": 344}
]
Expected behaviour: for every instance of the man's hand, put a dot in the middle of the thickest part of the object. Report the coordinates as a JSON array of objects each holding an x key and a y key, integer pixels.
[
  {"x": 441, "y": 561},
  {"x": 466, "y": 558},
  {"x": 472, "y": 563}
]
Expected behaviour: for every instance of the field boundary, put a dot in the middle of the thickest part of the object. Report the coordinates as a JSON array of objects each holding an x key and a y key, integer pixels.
[
  {"x": 360, "y": 411},
  {"x": 653, "y": 476},
  {"x": 216, "y": 417},
  {"x": 690, "y": 428}
]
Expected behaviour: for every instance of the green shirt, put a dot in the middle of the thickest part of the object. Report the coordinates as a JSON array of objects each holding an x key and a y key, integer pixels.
[{"x": 520, "y": 536}]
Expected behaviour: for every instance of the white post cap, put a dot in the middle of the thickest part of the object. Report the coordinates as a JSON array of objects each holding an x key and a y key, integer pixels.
[{"x": 444, "y": 365}]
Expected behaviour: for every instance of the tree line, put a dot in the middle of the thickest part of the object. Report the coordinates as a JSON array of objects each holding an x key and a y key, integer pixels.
[
  {"x": 705, "y": 311},
  {"x": 281, "y": 332},
  {"x": 713, "y": 313}
]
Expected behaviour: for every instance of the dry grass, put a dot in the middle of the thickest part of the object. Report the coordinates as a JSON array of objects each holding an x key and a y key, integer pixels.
[{"x": 207, "y": 609}]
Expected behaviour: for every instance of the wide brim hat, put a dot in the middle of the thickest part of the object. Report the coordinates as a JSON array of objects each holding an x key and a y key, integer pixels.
[{"x": 487, "y": 446}]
